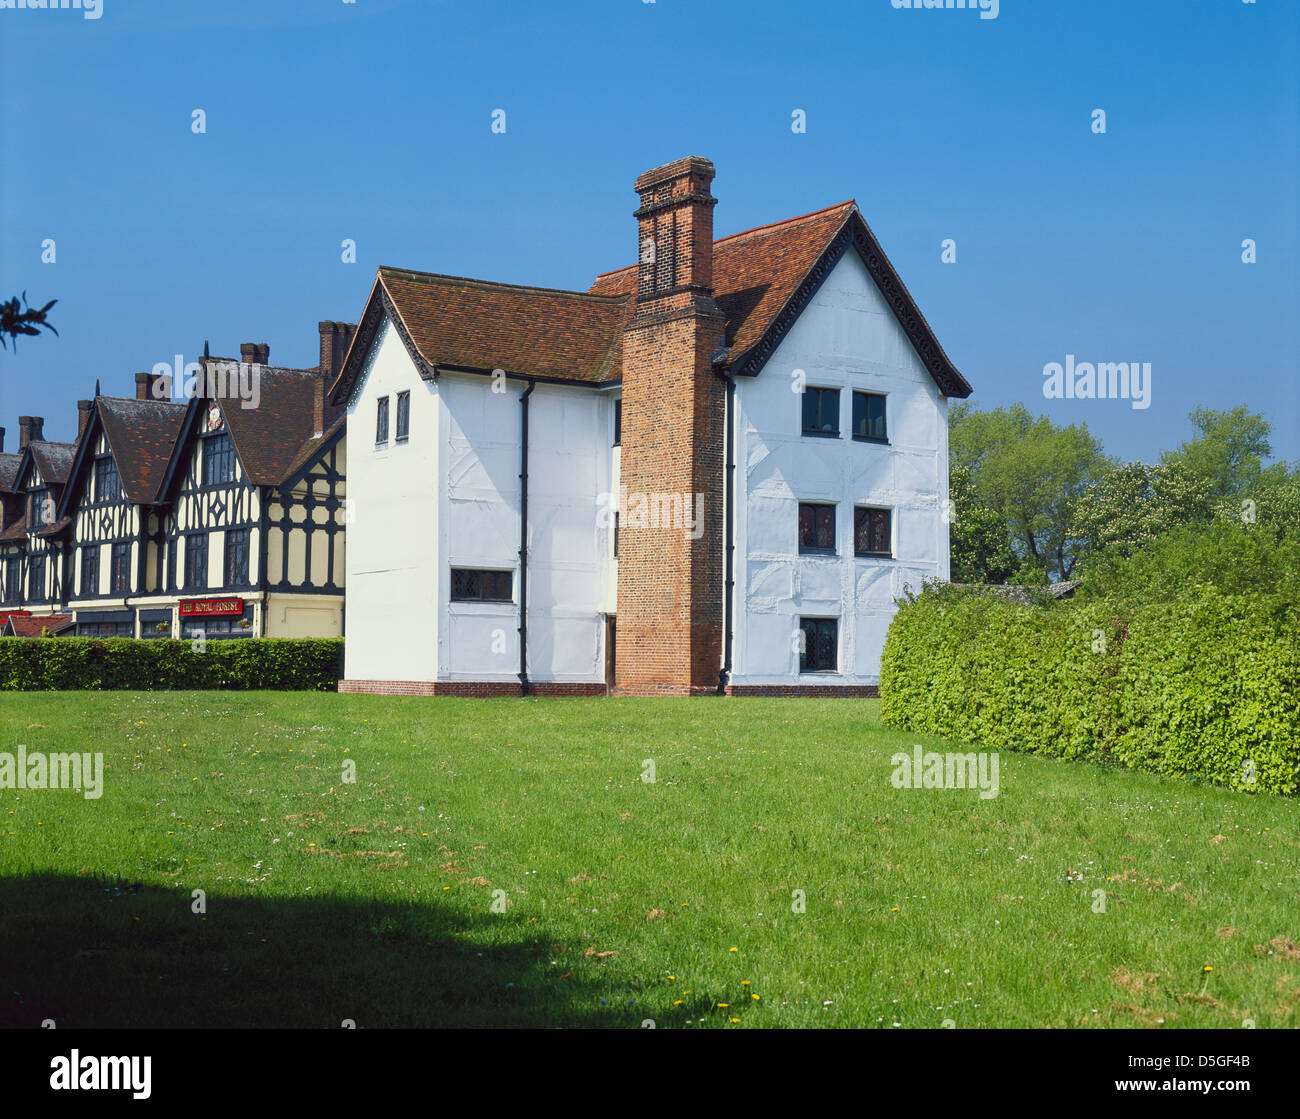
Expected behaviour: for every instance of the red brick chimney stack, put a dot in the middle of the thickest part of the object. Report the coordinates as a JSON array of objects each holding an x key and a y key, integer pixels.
[{"x": 670, "y": 586}]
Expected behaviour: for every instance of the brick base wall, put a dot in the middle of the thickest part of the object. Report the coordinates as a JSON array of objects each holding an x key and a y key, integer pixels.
[
  {"x": 479, "y": 688},
  {"x": 831, "y": 691}
]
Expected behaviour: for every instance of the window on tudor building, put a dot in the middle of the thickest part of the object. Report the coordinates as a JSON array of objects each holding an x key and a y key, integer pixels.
[
  {"x": 869, "y": 417},
  {"x": 821, "y": 411},
  {"x": 236, "y": 566},
  {"x": 196, "y": 561},
  {"x": 218, "y": 459},
  {"x": 472, "y": 585},
  {"x": 820, "y": 645},
  {"x": 872, "y": 532},
  {"x": 403, "y": 416},
  {"x": 381, "y": 421},
  {"x": 816, "y": 529},
  {"x": 108, "y": 483},
  {"x": 119, "y": 574},
  {"x": 90, "y": 570},
  {"x": 36, "y": 578}
]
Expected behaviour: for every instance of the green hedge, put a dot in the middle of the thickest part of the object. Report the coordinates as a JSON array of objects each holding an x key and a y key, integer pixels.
[
  {"x": 1192, "y": 687},
  {"x": 245, "y": 664}
]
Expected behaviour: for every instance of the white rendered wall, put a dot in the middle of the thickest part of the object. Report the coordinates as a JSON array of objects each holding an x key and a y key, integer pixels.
[
  {"x": 392, "y": 581},
  {"x": 569, "y": 544},
  {"x": 847, "y": 338}
]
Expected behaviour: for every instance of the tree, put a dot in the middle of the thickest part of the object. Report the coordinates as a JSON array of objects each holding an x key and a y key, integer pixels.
[
  {"x": 1132, "y": 504},
  {"x": 978, "y": 543},
  {"x": 1228, "y": 451},
  {"x": 16, "y": 319},
  {"x": 1031, "y": 473}
]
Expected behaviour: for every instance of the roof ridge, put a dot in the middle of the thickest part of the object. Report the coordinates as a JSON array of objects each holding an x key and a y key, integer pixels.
[
  {"x": 497, "y": 284},
  {"x": 773, "y": 225}
]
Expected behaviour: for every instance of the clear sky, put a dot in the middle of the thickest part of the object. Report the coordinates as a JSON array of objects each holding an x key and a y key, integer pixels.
[{"x": 372, "y": 121}]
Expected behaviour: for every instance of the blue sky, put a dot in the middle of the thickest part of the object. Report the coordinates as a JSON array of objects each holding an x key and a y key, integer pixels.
[{"x": 371, "y": 121}]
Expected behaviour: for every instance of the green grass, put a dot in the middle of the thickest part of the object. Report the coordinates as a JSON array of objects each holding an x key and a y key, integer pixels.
[{"x": 372, "y": 900}]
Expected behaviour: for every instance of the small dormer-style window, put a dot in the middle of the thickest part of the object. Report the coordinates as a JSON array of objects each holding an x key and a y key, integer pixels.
[
  {"x": 108, "y": 483},
  {"x": 218, "y": 460}
]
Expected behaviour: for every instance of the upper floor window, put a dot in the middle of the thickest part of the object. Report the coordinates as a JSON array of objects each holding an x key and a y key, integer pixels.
[
  {"x": 218, "y": 459},
  {"x": 618, "y": 421},
  {"x": 869, "y": 417},
  {"x": 36, "y": 578},
  {"x": 816, "y": 529},
  {"x": 120, "y": 573},
  {"x": 381, "y": 421},
  {"x": 470, "y": 585},
  {"x": 41, "y": 508},
  {"x": 90, "y": 570},
  {"x": 236, "y": 557},
  {"x": 872, "y": 532},
  {"x": 403, "y": 416},
  {"x": 13, "y": 579},
  {"x": 108, "y": 483},
  {"x": 821, "y": 411},
  {"x": 196, "y": 561}
]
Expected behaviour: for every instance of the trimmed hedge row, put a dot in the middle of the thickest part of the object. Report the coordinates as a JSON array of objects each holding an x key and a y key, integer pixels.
[
  {"x": 1207, "y": 685},
  {"x": 160, "y": 664}
]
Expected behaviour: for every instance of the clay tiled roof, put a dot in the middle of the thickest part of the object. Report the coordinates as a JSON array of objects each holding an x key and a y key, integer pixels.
[
  {"x": 270, "y": 438},
  {"x": 142, "y": 435},
  {"x": 755, "y": 272},
  {"x": 53, "y": 460},
  {"x": 541, "y": 332},
  {"x": 9, "y": 471},
  {"x": 20, "y": 626},
  {"x": 762, "y": 280}
]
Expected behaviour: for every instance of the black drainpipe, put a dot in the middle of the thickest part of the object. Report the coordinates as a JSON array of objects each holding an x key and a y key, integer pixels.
[
  {"x": 729, "y": 484},
  {"x": 523, "y": 536}
]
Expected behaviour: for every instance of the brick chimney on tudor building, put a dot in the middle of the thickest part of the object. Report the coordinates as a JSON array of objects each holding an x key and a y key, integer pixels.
[{"x": 670, "y": 587}]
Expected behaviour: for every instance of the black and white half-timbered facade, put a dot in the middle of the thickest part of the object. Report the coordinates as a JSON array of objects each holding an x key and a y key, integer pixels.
[
  {"x": 221, "y": 514},
  {"x": 34, "y": 558}
]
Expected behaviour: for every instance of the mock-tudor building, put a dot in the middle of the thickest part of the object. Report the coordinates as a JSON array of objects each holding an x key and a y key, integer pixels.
[
  {"x": 713, "y": 471},
  {"x": 170, "y": 518}
]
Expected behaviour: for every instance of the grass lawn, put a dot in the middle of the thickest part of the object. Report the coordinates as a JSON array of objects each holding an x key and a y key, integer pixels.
[{"x": 622, "y": 900}]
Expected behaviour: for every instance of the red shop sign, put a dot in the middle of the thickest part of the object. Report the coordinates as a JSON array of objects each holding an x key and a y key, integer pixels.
[{"x": 208, "y": 607}]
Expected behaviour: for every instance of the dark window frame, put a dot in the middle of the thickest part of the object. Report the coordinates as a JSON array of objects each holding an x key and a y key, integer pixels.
[
  {"x": 867, "y": 398},
  {"x": 36, "y": 588},
  {"x": 859, "y": 512},
  {"x": 812, "y": 627},
  {"x": 234, "y": 566},
  {"x": 107, "y": 478},
  {"x": 403, "y": 431},
  {"x": 818, "y": 394},
  {"x": 189, "y": 582},
  {"x": 119, "y": 568},
  {"x": 218, "y": 460},
  {"x": 381, "y": 422},
  {"x": 481, "y": 584},
  {"x": 89, "y": 567},
  {"x": 816, "y": 527}
]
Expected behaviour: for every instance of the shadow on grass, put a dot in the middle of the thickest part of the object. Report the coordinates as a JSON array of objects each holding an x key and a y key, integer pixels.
[{"x": 87, "y": 952}]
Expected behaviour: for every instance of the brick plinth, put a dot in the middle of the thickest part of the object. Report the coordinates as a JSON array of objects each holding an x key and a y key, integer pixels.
[{"x": 467, "y": 688}]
